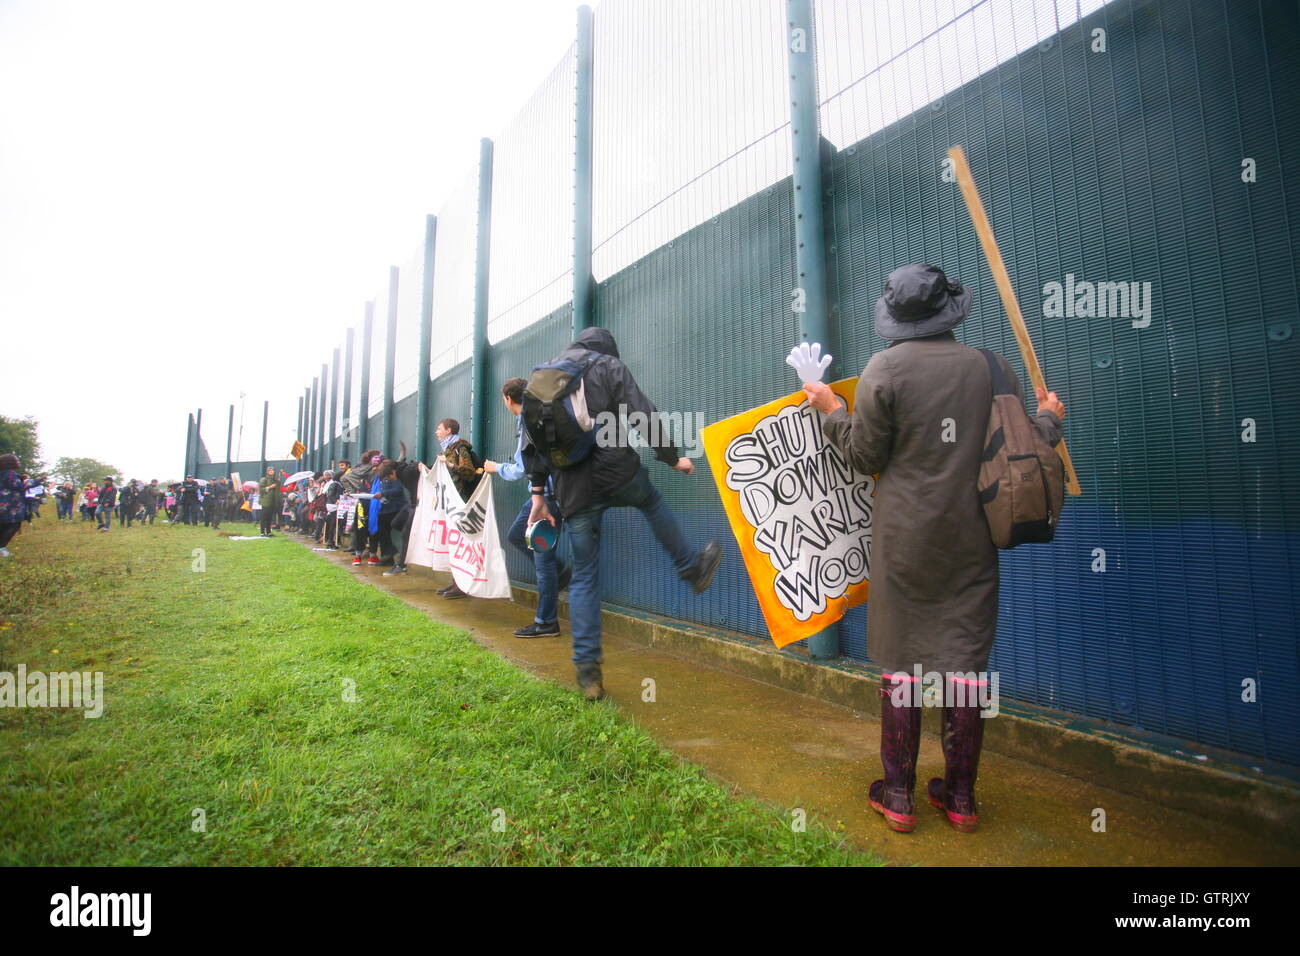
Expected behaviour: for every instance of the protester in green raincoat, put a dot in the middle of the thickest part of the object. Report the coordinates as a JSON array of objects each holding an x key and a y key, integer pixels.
[{"x": 271, "y": 500}]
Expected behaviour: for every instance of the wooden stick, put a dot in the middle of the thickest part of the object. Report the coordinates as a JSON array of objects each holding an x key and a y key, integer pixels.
[{"x": 1003, "y": 280}]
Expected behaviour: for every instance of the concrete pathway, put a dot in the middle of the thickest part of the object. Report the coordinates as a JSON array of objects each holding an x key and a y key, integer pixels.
[{"x": 798, "y": 752}]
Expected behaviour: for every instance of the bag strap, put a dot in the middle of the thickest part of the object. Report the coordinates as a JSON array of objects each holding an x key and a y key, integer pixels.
[{"x": 1001, "y": 384}]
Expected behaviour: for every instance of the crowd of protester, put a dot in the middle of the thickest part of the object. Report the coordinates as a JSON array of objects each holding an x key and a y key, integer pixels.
[
  {"x": 110, "y": 502},
  {"x": 934, "y": 574}
]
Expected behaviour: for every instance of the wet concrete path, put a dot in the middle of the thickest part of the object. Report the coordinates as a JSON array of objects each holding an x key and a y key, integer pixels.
[{"x": 798, "y": 752}]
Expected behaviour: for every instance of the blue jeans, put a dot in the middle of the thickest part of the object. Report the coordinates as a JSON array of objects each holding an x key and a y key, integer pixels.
[
  {"x": 584, "y": 538},
  {"x": 546, "y": 563},
  {"x": 105, "y": 516}
]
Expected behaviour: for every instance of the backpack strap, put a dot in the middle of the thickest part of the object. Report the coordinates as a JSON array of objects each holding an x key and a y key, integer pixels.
[{"x": 1001, "y": 384}]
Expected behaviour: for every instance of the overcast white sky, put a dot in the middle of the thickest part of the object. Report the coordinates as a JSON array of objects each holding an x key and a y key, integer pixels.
[
  {"x": 183, "y": 184},
  {"x": 196, "y": 199}
]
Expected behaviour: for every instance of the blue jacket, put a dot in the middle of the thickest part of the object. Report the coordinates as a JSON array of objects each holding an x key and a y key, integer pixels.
[
  {"x": 514, "y": 470},
  {"x": 372, "y": 513},
  {"x": 394, "y": 496}
]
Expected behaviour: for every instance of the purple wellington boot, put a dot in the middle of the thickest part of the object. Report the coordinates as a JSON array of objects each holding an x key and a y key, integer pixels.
[
  {"x": 900, "y": 738},
  {"x": 963, "y": 737}
]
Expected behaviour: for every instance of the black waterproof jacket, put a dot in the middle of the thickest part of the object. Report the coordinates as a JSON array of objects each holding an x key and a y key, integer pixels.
[{"x": 608, "y": 384}]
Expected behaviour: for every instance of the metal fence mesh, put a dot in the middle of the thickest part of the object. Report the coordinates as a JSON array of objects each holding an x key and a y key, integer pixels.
[
  {"x": 453, "y": 278},
  {"x": 1118, "y": 164},
  {"x": 532, "y": 208}
]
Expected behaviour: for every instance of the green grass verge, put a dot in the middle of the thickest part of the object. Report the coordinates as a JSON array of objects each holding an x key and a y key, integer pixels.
[{"x": 224, "y": 691}]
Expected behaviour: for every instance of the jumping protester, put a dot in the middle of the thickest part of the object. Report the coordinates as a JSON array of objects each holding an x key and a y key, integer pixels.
[{"x": 609, "y": 477}]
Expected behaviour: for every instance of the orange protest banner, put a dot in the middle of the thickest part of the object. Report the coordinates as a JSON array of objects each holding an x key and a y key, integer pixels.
[{"x": 800, "y": 512}]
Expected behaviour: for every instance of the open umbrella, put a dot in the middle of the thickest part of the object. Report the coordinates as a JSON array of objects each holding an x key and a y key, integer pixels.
[
  {"x": 298, "y": 476},
  {"x": 250, "y": 486}
]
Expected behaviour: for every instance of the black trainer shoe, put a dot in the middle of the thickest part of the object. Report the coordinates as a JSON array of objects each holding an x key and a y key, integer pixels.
[
  {"x": 539, "y": 630},
  {"x": 395, "y": 569},
  {"x": 454, "y": 592},
  {"x": 700, "y": 576}
]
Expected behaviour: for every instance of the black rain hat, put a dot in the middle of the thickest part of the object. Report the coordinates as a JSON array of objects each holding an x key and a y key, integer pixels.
[{"x": 920, "y": 300}]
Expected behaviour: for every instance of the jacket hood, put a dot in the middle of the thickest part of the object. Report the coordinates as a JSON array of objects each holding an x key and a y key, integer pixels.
[{"x": 596, "y": 340}]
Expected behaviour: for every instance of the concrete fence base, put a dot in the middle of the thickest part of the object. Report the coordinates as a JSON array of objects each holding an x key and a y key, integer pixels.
[{"x": 1174, "y": 773}]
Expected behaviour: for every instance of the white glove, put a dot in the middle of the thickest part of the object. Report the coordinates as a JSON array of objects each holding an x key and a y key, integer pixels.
[{"x": 807, "y": 361}]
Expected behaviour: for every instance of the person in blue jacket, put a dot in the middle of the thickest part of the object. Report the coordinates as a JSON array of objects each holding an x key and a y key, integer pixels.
[{"x": 391, "y": 499}]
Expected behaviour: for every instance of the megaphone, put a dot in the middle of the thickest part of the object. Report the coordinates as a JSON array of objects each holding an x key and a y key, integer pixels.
[{"x": 541, "y": 536}]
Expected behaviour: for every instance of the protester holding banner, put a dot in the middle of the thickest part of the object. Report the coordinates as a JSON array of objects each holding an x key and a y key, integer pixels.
[
  {"x": 34, "y": 492},
  {"x": 459, "y": 456},
  {"x": 391, "y": 499},
  {"x": 921, "y": 410},
  {"x": 358, "y": 480},
  {"x": 330, "y": 491},
  {"x": 379, "y": 547},
  {"x": 551, "y": 579},
  {"x": 408, "y": 474},
  {"x": 610, "y": 476},
  {"x": 449, "y": 533}
]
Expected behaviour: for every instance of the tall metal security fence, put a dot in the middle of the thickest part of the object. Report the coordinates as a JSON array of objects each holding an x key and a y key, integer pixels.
[{"x": 647, "y": 187}]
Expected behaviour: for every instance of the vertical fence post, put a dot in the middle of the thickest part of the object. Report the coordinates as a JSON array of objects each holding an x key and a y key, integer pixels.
[
  {"x": 426, "y": 340},
  {"x": 479, "y": 388},
  {"x": 305, "y": 402},
  {"x": 230, "y": 427},
  {"x": 334, "y": 413},
  {"x": 363, "y": 405},
  {"x": 299, "y": 433},
  {"x": 317, "y": 387},
  {"x": 810, "y": 239},
  {"x": 266, "y": 415},
  {"x": 189, "y": 443},
  {"x": 312, "y": 447},
  {"x": 198, "y": 428},
  {"x": 322, "y": 448},
  {"x": 390, "y": 359},
  {"x": 346, "y": 451},
  {"x": 582, "y": 177}
]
